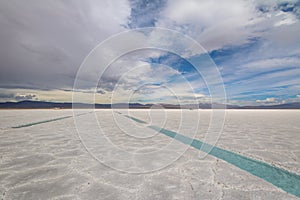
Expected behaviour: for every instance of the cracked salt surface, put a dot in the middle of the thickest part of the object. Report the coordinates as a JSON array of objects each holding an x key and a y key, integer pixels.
[{"x": 48, "y": 161}]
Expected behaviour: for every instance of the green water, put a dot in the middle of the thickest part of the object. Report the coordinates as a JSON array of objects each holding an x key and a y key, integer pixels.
[
  {"x": 46, "y": 121},
  {"x": 281, "y": 178},
  {"x": 41, "y": 122},
  {"x": 135, "y": 119}
]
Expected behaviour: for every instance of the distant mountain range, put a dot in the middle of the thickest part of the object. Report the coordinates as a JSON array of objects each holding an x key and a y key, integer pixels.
[{"x": 54, "y": 105}]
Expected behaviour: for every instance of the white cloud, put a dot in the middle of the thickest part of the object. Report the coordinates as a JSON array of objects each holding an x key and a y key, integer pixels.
[
  {"x": 294, "y": 99},
  {"x": 150, "y": 83},
  {"x": 131, "y": 79},
  {"x": 218, "y": 24},
  {"x": 285, "y": 19},
  {"x": 43, "y": 44},
  {"x": 277, "y": 83},
  {"x": 214, "y": 24},
  {"x": 272, "y": 63},
  {"x": 21, "y": 97},
  {"x": 268, "y": 100}
]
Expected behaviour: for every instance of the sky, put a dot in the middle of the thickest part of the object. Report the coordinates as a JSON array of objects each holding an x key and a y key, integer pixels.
[{"x": 254, "y": 45}]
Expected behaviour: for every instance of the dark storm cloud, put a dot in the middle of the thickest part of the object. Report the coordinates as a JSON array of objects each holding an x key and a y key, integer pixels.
[{"x": 44, "y": 42}]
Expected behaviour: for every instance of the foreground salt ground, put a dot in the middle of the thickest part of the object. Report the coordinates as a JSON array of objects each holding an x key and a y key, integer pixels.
[{"x": 48, "y": 160}]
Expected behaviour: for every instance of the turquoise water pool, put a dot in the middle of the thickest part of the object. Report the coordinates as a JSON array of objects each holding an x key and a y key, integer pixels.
[{"x": 283, "y": 179}]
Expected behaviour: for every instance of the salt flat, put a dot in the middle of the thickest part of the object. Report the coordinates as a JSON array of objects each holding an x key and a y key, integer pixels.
[{"x": 63, "y": 160}]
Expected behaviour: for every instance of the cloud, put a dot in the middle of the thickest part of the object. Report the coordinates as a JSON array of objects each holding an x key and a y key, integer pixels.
[
  {"x": 254, "y": 43},
  {"x": 272, "y": 63},
  {"x": 269, "y": 83},
  {"x": 218, "y": 24},
  {"x": 6, "y": 95},
  {"x": 21, "y": 97},
  {"x": 286, "y": 19},
  {"x": 228, "y": 23},
  {"x": 268, "y": 100},
  {"x": 44, "y": 43},
  {"x": 292, "y": 99},
  {"x": 137, "y": 78},
  {"x": 144, "y": 13}
]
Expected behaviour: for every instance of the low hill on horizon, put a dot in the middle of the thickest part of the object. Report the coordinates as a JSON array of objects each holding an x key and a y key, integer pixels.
[{"x": 55, "y": 105}]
